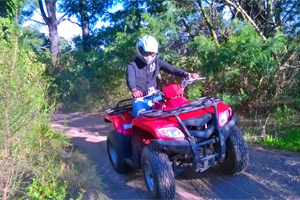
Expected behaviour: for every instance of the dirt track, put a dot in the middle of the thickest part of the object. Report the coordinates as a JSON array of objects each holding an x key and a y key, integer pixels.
[{"x": 272, "y": 174}]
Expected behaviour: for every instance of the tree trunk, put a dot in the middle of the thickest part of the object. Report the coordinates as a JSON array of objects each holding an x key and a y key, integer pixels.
[
  {"x": 54, "y": 41},
  {"x": 84, "y": 25},
  {"x": 52, "y": 23},
  {"x": 266, "y": 29},
  {"x": 210, "y": 26}
]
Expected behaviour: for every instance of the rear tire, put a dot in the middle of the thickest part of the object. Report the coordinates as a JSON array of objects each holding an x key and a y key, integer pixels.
[
  {"x": 237, "y": 155},
  {"x": 158, "y": 173},
  {"x": 116, "y": 152}
]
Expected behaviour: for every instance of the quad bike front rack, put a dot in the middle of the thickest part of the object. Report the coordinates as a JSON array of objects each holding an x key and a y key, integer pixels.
[{"x": 190, "y": 145}]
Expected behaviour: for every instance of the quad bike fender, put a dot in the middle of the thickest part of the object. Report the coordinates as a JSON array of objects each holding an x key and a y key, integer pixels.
[
  {"x": 121, "y": 122},
  {"x": 226, "y": 130},
  {"x": 151, "y": 125}
]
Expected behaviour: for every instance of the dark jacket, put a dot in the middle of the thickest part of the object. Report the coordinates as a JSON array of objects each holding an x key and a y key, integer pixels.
[{"x": 142, "y": 76}]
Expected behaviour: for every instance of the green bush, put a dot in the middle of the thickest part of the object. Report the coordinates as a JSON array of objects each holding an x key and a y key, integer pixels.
[
  {"x": 242, "y": 66},
  {"x": 96, "y": 80},
  {"x": 232, "y": 100},
  {"x": 284, "y": 115},
  {"x": 53, "y": 190},
  {"x": 194, "y": 92},
  {"x": 23, "y": 102},
  {"x": 31, "y": 154}
]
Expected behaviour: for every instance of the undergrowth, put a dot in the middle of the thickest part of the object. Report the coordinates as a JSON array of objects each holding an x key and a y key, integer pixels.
[
  {"x": 290, "y": 141},
  {"x": 277, "y": 127}
]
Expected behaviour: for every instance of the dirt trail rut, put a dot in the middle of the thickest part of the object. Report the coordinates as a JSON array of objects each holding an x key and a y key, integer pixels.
[{"x": 271, "y": 174}]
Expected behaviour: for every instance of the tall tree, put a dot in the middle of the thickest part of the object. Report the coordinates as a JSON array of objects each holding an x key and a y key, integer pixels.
[
  {"x": 88, "y": 13},
  {"x": 84, "y": 25},
  {"x": 52, "y": 23}
]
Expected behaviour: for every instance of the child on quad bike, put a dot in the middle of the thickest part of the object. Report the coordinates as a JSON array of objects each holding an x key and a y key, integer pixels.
[
  {"x": 143, "y": 71},
  {"x": 176, "y": 134}
]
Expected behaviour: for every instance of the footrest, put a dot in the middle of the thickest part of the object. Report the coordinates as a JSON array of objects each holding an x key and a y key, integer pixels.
[{"x": 129, "y": 162}]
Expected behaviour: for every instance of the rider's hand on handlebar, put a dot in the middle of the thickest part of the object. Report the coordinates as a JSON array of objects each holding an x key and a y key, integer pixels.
[
  {"x": 193, "y": 75},
  {"x": 136, "y": 93}
]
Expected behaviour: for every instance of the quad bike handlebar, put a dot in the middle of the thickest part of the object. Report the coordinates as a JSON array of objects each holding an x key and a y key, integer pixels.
[
  {"x": 189, "y": 80},
  {"x": 152, "y": 91}
]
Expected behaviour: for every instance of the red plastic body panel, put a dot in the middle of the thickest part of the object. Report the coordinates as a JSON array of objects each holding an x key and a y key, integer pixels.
[
  {"x": 175, "y": 103},
  {"x": 172, "y": 90},
  {"x": 121, "y": 122},
  {"x": 151, "y": 124}
]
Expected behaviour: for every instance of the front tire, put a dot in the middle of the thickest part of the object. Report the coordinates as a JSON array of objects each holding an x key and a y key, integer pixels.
[
  {"x": 158, "y": 173},
  {"x": 237, "y": 155},
  {"x": 116, "y": 152}
]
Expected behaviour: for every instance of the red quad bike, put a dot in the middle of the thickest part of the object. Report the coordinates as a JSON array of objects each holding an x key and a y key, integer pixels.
[{"x": 175, "y": 134}]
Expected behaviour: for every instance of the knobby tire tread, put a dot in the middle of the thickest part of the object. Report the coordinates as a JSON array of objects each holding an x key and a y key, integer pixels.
[
  {"x": 237, "y": 146},
  {"x": 163, "y": 170},
  {"x": 121, "y": 167}
]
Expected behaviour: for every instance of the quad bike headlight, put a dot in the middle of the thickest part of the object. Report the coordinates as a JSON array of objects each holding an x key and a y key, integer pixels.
[
  {"x": 223, "y": 118},
  {"x": 170, "y": 132}
]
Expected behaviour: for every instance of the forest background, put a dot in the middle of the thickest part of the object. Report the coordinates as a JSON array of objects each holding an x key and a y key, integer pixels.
[{"x": 248, "y": 50}]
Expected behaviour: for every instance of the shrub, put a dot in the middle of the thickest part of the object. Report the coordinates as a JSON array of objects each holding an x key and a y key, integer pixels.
[{"x": 284, "y": 115}]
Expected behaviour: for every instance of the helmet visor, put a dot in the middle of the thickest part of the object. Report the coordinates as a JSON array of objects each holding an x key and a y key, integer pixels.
[{"x": 145, "y": 53}]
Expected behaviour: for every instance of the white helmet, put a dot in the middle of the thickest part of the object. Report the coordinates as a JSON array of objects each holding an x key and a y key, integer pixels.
[{"x": 147, "y": 48}]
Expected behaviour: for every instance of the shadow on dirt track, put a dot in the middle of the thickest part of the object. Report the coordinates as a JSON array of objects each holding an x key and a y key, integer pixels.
[{"x": 271, "y": 174}]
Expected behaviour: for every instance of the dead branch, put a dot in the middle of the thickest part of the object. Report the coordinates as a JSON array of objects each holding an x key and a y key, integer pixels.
[{"x": 245, "y": 16}]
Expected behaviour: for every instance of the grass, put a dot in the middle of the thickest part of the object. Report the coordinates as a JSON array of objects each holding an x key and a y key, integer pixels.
[
  {"x": 46, "y": 165},
  {"x": 290, "y": 141},
  {"x": 280, "y": 129},
  {"x": 250, "y": 136},
  {"x": 81, "y": 174}
]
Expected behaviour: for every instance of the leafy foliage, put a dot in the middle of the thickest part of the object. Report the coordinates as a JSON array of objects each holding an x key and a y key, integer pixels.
[
  {"x": 244, "y": 69},
  {"x": 52, "y": 190},
  {"x": 4, "y": 7},
  {"x": 31, "y": 153},
  {"x": 284, "y": 114}
]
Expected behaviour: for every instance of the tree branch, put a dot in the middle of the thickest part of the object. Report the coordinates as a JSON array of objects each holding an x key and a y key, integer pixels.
[
  {"x": 46, "y": 19},
  {"x": 37, "y": 21},
  {"x": 78, "y": 24},
  {"x": 62, "y": 18},
  {"x": 245, "y": 16},
  {"x": 289, "y": 12},
  {"x": 210, "y": 26},
  {"x": 68, "y": 52},
  {"x": 188, "y": 29}
]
